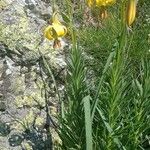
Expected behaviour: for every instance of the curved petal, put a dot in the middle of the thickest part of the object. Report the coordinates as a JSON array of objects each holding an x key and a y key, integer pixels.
[
  {"x": 48, "y": 32},
  {"x": 59, "y": 30}
]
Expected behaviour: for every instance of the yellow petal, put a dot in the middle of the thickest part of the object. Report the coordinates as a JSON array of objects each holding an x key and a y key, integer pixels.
[
  {"x": 90, "y": 3},
  {"x": 48, "y": 32},
  {"x": 59, "y": 30},
  {"x": 100, "y": 3}
]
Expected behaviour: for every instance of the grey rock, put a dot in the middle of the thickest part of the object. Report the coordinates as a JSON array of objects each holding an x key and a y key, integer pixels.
[{"x": 22, "y": 100}]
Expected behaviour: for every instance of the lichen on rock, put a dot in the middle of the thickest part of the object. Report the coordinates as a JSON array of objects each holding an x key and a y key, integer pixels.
[{"x": 21, "y": 86}]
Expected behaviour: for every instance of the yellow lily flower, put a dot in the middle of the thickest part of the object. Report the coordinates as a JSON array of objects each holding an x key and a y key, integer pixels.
[
  {"x": 100, "y": 3},
  {"x": 55, "y": 30}
]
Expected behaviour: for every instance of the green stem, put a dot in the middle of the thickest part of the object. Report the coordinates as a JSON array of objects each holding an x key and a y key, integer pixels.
[
  {"x": 116, "y": 75},
  {"x": 55, "y": 84}
]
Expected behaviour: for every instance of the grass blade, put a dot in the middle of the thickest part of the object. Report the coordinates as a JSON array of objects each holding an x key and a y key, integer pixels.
[
  {"x": 109, "y": 60},
  {"x": 88, "y": 122}
]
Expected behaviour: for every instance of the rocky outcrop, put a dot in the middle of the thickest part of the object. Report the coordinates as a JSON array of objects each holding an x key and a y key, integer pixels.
[{"x": 22, "y": 102}]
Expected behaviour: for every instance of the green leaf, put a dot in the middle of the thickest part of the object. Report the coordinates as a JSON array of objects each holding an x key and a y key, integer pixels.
[
  {"x": 88, "y": 122},
  {"x": 116, "y": 140},
  {"x": 139, "y": 86},
  {"x": 107, "y": 65},
  {"x": 65, "y": 17}
]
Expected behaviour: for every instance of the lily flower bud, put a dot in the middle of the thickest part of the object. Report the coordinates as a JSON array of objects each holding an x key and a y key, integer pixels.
[{"x": 131, "y": 12}]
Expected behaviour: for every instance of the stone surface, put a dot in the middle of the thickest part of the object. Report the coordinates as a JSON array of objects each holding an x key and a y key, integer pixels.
[{"x": 22, "y": 101}]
